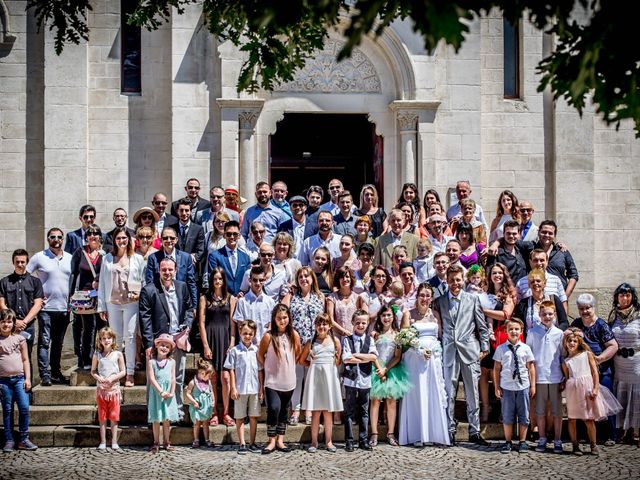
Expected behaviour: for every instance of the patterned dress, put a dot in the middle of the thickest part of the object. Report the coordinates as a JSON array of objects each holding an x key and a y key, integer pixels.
[{"x": 627, "y": 372}]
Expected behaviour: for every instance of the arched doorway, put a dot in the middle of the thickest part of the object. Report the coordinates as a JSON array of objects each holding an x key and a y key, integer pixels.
[{"x": 312, "y": 148}]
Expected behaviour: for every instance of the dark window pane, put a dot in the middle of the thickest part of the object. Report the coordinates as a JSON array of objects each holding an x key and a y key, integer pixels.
[
  {"x": 130, "y": 56},
  {"x": 511, "y": 60}
]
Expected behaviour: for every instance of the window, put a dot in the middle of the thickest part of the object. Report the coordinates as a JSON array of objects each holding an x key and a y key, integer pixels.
[
  {"x": 511, "y": 59},
  {"x": 131, "y": 50}
]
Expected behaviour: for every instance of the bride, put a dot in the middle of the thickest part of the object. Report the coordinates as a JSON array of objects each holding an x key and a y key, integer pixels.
[{"x": 423, "y": 411}]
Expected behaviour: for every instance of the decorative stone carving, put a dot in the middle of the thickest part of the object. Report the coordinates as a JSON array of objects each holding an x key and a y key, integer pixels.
[
  {"x": 407, "y": 121},
  {"x": 248, "y": 119},
  {"x": 324, "y": 74}
]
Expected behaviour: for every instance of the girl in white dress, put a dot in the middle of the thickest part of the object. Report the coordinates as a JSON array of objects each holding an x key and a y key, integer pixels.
[{"x": 322, "y": 394}]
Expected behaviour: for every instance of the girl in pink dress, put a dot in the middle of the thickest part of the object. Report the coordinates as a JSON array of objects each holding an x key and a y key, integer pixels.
[{"x": 587, "y": 400}]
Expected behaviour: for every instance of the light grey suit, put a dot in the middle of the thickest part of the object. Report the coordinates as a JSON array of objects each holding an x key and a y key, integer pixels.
[{"x": 464, "y": 336}]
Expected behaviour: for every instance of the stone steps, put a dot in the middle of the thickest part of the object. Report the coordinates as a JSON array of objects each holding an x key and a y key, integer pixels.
[
  {"x": 83, "y": 395},
  {"x": 141, "y": 435}
]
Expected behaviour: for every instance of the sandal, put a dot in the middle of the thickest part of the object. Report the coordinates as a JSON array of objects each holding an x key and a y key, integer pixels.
[
  {"x": 228, "y": 421},
  {"x": 214, "y": 421},
  {"x": 392, "y": 440},
  {"x": 168, "y": 447},
  {"x": 373, "y": 440},
  {"x": 155, "y": 448}
]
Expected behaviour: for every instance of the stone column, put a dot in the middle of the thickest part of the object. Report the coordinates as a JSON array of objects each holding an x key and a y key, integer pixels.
[
  {"x": 247, "y": 119},
  {"x": 407, "y": 125}
]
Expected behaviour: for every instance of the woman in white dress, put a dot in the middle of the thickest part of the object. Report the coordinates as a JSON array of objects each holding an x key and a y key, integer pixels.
[
  {"x": 423, "y": 410},
  {"x": 507, "y": 210}
]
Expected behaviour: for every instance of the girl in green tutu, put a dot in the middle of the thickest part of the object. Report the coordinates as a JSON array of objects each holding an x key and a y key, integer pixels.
[{"x": 390, "y": 381}]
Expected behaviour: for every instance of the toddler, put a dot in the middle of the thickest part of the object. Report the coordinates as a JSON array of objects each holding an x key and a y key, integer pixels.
[{"x": 200, "y": 397}]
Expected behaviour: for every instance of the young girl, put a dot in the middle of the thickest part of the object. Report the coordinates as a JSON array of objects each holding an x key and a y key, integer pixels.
[
  {"x": 390, "y": 381},
  {"x": 347, "y": 256},
  {"x": 322, "y": 268},
  {"x": 278, "y": 351},
  {"x": 587, "y": 400},
  {"x": 107, "y": 367},
  {"x": 162, "y": 405},
  {"x": 476, "y": 281},
  {"x": 199, "y": 394},
  {"x": 15, "y": 381},
  {"x": 322, "y": 394}
]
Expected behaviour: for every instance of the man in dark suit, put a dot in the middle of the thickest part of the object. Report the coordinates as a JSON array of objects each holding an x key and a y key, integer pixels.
[
  {"x": 159, "y": 204},
  {"x": 76, "y": 238},
  {"x": 184, "y": 265},
  {"x": 300, "y": 227},
  {"x": 166, "y": 307},
  {"x": 190, "y": 234},
  {"x": 193, "y": 194},
  {"x": 120, "y": 220},
  {"x": 465, "y": 341},
  {"x": 230, "y": 258}
]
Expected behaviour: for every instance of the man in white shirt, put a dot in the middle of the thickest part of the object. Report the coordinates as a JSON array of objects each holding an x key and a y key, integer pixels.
[
  {"x": 463, "y": 190},
  {"x": 301, "y": 226},
  {"x": 324, "y": 238},
  {"x": 255, "y": 305},
  {"x": 53, "y": 267},
  {"x": 436, "y": 224}
]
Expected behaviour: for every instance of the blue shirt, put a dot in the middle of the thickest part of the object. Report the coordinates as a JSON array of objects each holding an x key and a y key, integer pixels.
[
  {"x": 270, "y": 216},
  {"x": 244, "y": 363}
]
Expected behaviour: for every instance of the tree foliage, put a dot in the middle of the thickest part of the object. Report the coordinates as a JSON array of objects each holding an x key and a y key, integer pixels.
[{"x": 592, "y": 59}]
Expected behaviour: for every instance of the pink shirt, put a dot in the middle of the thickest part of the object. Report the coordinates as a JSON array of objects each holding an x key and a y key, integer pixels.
[
  {"x": 11, "y": 355},
  {"x": 280, "y": 373}
]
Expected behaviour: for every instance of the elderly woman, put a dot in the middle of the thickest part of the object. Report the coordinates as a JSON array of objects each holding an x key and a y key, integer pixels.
[
  {"x": 624, "y": 320},
  {"x": 364, "y": 232},
  {"x": 599, "y": 337},
  {"x": 369, "y": 207},
  {"x": 144, "y": 237},
  {"x": 467, "y": 209},
  {"x": 528, "y": 309},
  {"x": 148, "y": 217},
  {"x": 285, "y": 248}
]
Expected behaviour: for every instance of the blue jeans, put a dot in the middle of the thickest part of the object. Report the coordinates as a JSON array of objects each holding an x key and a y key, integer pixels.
[
  {"x": 52, "y": 327},
  {"x": 12, "y": 390}
]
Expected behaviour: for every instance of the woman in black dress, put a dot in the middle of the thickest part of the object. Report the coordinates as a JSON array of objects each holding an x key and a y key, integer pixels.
[{"x": 215, "y": 316}]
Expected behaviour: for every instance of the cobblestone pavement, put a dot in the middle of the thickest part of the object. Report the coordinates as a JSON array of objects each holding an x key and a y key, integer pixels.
[{"x": 385, "y": 462}]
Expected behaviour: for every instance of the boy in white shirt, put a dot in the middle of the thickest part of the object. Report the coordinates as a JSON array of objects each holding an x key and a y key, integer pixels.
[
  {"x": 514, "y": 375},
  {"x": 246, "y": 384},
  {"x": 255, "y": 304},
  {"x": 545, "y": 341}
]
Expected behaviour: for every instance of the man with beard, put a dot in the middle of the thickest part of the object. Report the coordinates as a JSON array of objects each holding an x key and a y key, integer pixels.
[
  {"x": 120, "y": 220},
  {"x": 279, "y": 197},
  {"x": 436, "y": 225},
  {"x": 159, "y": 204},
  {"x": 193, "y": 194},
  {"x": 508, "y": 252},
  {"x": 264, "y": 212},
  {"x": 324, "y": 238}
]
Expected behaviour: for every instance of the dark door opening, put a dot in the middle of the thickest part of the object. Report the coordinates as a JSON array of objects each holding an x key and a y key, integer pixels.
[{"x": 311, "y": 149}]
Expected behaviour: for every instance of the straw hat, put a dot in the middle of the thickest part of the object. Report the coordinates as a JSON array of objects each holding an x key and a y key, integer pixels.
[
  {"x": 165, "y": 338},
  {"x": 234, "y": 189},
  {"x": 142, "y": 210}
]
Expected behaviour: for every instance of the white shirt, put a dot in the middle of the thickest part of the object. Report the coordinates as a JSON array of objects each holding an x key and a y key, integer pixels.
[
  {"x": 311, "y": 244},
  {"x": 546, "y": 345},
  {"x": 172, "y": 300},
  {"x": 298, "y": 235},
  {"x": 361, "y": 381},
  {"x": 552, "y": 287},
  {"x": 276, "y": 286},
  {"x": 504, "y": 355},
  {"x": 257, "y": 309},
  {"x": 160, "y": 222},
  {"x": 54, "y": 273},
  {"x": 424, "y": 268},
  {"x": 439, "y": 246},
  {"x": 244, "y": 363}
]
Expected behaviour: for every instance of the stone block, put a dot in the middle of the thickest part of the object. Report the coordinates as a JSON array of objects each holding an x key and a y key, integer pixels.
[
  {"x": 612, "y": 181},
  {"x": 449, "y": 146},
  {"x": 463, "y": 72}
]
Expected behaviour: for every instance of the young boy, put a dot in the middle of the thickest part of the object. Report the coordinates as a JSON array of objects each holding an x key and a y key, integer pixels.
[
  {"x": 514, "y": 375},
  {"x": 246, "y": 384},
  {"x": 255, "y": 305},
  {"x": 545, "y": 341},
  {"x": 358, "y": 352}
]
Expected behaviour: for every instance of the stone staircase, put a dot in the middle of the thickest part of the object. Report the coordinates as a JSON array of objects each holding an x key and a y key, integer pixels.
[{"x": 67, "y": 415}]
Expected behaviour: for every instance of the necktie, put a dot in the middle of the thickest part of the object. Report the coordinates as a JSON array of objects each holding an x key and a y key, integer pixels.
[
  {"x": 455, "y": 303},
  {"x": 516, "y": 364},
  {"x": 233, "y": 260},
  {"x": 359, "y": 345},
  {"x": 183, "y": 231}
]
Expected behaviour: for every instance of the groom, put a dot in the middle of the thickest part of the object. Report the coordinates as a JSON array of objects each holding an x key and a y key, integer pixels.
[{"x": 465, "y": 341}]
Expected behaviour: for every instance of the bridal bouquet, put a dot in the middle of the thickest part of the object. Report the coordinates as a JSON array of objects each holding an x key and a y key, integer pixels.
[{"x": 407, "y": 338}]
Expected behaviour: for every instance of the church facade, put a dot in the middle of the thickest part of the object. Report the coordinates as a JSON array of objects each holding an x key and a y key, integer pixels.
[{"x": 108, "y": 124}]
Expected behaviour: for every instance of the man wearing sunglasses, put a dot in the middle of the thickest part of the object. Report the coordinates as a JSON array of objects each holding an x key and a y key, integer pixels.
[
  {"x": 528, "y": 229},
  {"x": 230, "y": 258},
  {"x": 206, "y": 217},
  {"x": 192, "y": 188},
  {"x": 53, "y": 267},
  {"x": 78, "y": 238},
  {"x": 185, "y": 271},
  {"x": 159, "y": 204}
]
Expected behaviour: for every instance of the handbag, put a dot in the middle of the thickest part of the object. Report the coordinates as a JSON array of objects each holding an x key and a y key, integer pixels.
[
  {"x": 84, "y": 302},
  {"x": 182, "y": 340}
]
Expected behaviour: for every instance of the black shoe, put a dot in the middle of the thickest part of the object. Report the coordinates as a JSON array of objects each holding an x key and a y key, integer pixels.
[
  {"x": 253, "y": 448},
  {"x": 45, "y": 382},
  {"x": 365, "y": 446},
  {"x": 349, "y": 446},
  {"x": 267, "y": 451},
  {"x": 59, "y": 379},
  {"x": 478, "y": 440},
  {"x": 452, "y": 439},
  {"x": 284, "y": 449}
]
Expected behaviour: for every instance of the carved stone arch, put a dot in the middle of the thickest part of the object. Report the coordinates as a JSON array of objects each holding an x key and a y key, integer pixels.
[{"x": 4, "y": 23}]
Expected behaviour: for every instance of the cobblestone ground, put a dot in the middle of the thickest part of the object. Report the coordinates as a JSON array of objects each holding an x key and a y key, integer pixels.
[{"x": 385, "y": 462}]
